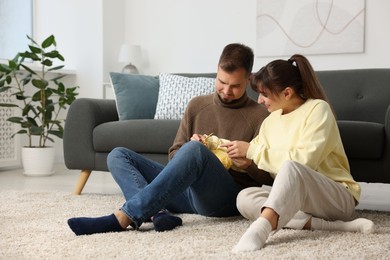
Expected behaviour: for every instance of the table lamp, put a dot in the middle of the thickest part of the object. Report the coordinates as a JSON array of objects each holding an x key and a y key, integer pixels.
[{"x": 127, "y": 54}]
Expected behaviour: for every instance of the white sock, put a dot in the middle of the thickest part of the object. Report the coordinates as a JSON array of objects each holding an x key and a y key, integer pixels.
[
  {"x": 362, "y": 225},
  {"x": 255, "y": 236}
]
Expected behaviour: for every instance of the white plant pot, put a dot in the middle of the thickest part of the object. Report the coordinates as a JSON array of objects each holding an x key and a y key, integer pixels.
[{"x": 38, "y": 161}]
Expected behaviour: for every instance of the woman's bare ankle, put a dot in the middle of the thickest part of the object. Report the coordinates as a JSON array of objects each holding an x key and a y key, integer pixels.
[
  {"x": 271, "y": 216},
  {"x": 307, "y": 226}
]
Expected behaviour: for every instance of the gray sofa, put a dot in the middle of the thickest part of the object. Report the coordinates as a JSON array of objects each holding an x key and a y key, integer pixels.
[{"x": 360, "y": 98}]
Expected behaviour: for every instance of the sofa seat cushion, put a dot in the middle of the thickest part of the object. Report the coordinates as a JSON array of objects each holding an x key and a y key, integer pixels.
[
  {"x": 362, "y": 140},
  {"x": 141, "y": 135}
]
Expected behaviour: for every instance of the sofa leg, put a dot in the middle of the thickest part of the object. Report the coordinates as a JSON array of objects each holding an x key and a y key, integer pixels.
[{"x": 83, "y": 178}]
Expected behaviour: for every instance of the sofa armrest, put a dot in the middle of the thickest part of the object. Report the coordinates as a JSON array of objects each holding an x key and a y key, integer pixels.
[
  {"x": 387, "y": 122},
  {"x": 386, "y": 159},
  {"x": 83, "y": 116}
]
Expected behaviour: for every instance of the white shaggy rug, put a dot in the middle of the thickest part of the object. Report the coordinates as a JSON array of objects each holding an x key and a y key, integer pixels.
[{"x": 33, "y": 226}]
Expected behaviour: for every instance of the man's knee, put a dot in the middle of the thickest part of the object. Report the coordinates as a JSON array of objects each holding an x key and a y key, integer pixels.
[
  {"x": 194, "y": 145},
  {"x": 117, "y": 155},
  {"x": 195, "y": 148}
]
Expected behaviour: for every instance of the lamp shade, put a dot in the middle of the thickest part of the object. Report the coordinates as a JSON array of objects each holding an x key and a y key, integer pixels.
[{"x": 129, "y": 53}]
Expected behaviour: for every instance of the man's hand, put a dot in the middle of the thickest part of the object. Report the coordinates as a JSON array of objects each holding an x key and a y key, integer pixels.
[
  {"x": 198, "y": 137},
  {"x": 241, "y": 162}
]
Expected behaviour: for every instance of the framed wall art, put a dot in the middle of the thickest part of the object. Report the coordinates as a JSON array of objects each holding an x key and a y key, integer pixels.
[{"x": 309, "y": 27}]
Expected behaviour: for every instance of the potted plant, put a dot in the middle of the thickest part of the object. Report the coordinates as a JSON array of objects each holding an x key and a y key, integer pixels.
[{"x": 40, "y": 96}]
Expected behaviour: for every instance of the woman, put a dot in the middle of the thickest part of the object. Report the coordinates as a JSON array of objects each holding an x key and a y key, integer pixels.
[{"x": 300, "y": 146}]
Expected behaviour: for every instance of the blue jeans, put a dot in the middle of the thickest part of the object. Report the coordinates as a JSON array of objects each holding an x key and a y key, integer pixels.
[{"x": 194, "y": 181}]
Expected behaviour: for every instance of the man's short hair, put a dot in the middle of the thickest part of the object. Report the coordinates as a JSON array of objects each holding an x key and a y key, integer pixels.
[{"x": 235, "y": 56}]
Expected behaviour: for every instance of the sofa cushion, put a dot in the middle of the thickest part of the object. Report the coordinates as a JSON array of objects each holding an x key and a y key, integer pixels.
[
  {"x": 135, "y": 95},
  {"x": 176, "y": 91},
  {"x": 362, "y": 140},
  {"x": 140, "y": 135}
]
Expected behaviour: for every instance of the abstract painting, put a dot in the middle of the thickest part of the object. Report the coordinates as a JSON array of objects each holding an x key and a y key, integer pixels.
[{"x": 309, "y": 27}]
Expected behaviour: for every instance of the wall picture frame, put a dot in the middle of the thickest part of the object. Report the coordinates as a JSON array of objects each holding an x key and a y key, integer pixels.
[{"x": 309, "y": 27}]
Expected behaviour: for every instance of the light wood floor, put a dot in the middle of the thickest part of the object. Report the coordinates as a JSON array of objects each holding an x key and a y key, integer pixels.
[
  {"x": 62, "y": 180},
  {"x": 375, "y": 196}
]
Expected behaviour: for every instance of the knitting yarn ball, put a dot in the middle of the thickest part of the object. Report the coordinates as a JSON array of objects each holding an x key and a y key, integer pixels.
[{"x": 223, "y": 157}]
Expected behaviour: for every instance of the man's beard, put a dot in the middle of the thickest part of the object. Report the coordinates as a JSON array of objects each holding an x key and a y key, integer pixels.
[{"x": 224, "y": 100}]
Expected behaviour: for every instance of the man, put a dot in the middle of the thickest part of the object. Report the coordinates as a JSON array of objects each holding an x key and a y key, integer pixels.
[{"x": 194, "y": 180}]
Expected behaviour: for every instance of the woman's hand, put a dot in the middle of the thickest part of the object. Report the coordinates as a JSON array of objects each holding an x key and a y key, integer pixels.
[{"x": 236, "y": 149}]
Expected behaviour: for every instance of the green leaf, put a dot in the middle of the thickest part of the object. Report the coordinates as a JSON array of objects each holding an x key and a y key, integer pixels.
[
  {"x": 28, "y": 69},
  {"x": 47, "y": 62},
  {"x": 37, "y": 96},
  {"x": 15, "y": 119},
  {"x": 5, "y": 68},
  {"x": 52, "y": 54},
  {"x": 25, "y": 124},
  {"x": 71, "y": 91},
  {"x": 3, "y": 89},
  {"x": 50, "y": 139},
  {"x": 19, "y": 132},
  {"x": 21, "y": 96},
  {"x": 48, "y": 42},
  {"x": 8, "y": 105},
  {"x": 40, "y": 83},
  {"x": 60, "y": 57},
  {"x": 61, "y": 87},
  {"x": 57, "y": 78},
  {"x": 31, "y": 39},
  {"x": 12, "y": 65},
  {"x": 8, "y": 79},
  {"x": 26, "y": 110},
  {"x": 57, "y": 68},
  {"x": 36, "y": 130},
  {"x": 26, "y": 80},
  {"x": 35, "y": 49},
  {"x": 57, "y": 133},
  {"x": 30, "y": 55},
  {"x": 55, "y": 122},
  {"x": 31, "y": 122},
  {"x": 48, "y": 114}
]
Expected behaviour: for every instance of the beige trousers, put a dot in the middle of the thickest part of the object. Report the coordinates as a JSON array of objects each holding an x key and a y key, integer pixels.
[{"x": 298, "y": 193}]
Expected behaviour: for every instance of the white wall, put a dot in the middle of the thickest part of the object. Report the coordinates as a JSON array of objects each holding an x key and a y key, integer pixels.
[
  {"x": 188, "y": 36},
  {"x": 176, "y": 36},
  {"x": 113, "y": 35},
  {"x": 77, "y": 26}
]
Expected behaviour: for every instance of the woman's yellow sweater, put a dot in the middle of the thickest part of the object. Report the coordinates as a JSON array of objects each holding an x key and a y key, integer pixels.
[{"x": 308, "y": 135}]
